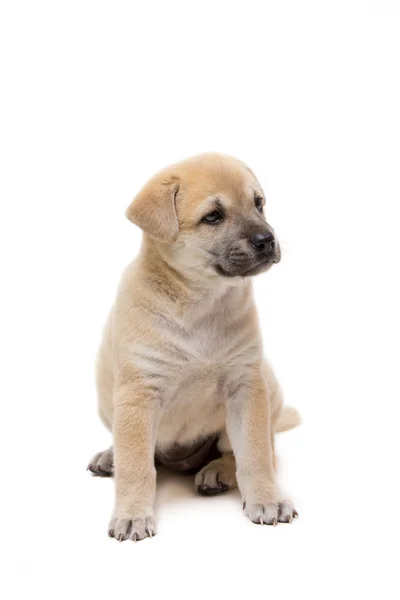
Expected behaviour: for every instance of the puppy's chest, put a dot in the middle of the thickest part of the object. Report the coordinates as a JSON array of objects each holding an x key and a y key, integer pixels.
[
  {"x": 197, "y": 356},
  {"x": 207, "y": 342}
]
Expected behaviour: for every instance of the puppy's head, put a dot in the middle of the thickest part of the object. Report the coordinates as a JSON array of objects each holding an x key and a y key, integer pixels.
[{"x": 207, "y": 215}]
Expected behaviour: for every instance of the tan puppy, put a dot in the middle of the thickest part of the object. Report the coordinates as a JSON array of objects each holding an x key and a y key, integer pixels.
[{"x": 181, "y": 376}]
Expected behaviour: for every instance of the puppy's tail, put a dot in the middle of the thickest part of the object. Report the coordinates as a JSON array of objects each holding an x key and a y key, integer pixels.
[{"x": 288, "y": 419}]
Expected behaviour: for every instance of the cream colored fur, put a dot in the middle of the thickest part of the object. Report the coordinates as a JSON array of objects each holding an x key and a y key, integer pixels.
[{"x": 181, "y": 356}]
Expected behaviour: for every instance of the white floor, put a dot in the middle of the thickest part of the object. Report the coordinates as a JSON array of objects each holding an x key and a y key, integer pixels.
[{"x": 339, "y": 546}]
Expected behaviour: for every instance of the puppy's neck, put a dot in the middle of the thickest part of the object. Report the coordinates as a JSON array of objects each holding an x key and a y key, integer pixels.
[{"x": 186, "y": 284}]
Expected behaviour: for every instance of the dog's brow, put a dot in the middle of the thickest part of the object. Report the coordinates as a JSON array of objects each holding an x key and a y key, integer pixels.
[
  {"x": 216, "y": 201},
  {"x": 257, "y": 193}
]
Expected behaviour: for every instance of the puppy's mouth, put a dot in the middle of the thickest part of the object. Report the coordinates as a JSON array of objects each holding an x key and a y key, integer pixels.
[{"x": 248, "y": 270}]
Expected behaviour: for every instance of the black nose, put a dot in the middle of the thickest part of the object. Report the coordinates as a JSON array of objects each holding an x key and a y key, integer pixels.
[{"x": 263, "y": 241}]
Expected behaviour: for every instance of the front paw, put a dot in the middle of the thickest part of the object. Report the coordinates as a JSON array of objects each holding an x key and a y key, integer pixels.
[
  {"x": 125, "y": 528},
  {"x": 270, "y": 513}
]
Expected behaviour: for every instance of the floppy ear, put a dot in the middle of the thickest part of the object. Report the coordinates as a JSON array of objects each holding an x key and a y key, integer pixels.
[{"x": 153, "y": 209}]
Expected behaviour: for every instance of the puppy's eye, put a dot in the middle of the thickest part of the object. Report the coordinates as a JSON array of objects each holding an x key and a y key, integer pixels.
[
  {"x": 212, "y": 217},
  {"x": 259, "y": 203}
]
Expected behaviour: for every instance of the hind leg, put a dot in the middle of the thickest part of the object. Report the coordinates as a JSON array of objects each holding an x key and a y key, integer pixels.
[
  {"x": 220, "y": 474},
  {"x": 217, "y": 477},
  {"x": 102, "y": 463}
]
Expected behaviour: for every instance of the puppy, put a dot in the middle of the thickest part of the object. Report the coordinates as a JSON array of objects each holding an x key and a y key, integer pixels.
[{"x": 180, "y": 373}]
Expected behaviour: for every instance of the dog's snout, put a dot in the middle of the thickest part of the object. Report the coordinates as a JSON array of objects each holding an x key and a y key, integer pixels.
[{"x": 264, "y": 242}]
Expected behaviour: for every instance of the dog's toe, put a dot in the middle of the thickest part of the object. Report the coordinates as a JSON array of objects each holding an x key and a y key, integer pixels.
[
  {"x": 271, "y": 513},
  {"x": 216, "y": 477},
  {"x": 102, "y": 463},
  {"x": 132, "y": 529}
]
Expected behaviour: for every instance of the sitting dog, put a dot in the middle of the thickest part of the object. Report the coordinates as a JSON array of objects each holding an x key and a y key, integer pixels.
[{"x": 181, "y": 376}]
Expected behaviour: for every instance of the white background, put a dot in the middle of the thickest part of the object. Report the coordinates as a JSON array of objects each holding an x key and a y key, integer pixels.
[{"x": 95, "y": 97}]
